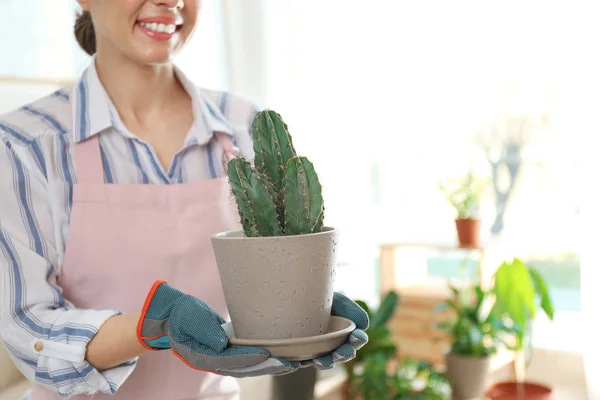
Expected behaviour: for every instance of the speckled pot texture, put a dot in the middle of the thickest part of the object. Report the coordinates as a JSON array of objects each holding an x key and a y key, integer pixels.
[{"x": 277, "y": 287}]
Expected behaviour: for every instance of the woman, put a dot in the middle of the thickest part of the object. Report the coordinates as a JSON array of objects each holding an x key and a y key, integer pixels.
[{"x": 108, "y": 195}]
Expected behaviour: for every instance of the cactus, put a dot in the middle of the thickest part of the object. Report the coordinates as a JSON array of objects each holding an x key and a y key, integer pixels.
[
  {"x": 273, "y": 146},
  {"x": 255, "y": 204},
  {"x": 302, "y": 198},
  {"x": 281, "y": 195}
]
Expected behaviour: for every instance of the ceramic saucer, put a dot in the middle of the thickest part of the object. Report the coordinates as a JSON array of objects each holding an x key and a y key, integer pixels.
[{"x": 300, "y": 349}]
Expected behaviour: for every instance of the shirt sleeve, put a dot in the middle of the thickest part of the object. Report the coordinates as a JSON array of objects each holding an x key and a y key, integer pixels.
[{"x": 44, "y": 333}]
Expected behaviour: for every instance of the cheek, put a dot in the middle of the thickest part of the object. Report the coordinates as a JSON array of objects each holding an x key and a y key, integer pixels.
[
  {"x": 191, "y": 12},
  {"x": 130, "y": 5}
]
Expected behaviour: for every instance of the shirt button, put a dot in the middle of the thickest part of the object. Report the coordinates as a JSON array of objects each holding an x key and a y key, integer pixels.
[{"x": 39, "y": 346}]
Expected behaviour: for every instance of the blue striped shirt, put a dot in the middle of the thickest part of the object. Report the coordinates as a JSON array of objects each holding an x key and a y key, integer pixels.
[{"x": 36, "y": 184}]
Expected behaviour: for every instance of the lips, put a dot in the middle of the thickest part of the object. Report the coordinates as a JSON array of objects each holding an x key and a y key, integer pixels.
[{"x": 159, "y": 28}]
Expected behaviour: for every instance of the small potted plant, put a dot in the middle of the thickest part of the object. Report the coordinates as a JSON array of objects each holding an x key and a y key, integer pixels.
[
  {"x": 476, "y": 335},
  {"x": 380, "y": 339},
  {"x": 520, "y": 292},
  {"x": 464, "y": 194},
  {"x": 277, "y": 271},
  {"x": 376, "y": 374},
  {"x": 407, "y": 380}
]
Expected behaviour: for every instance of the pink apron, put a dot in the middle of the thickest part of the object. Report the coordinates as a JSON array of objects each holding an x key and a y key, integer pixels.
[{"x": 124, "y": 237}]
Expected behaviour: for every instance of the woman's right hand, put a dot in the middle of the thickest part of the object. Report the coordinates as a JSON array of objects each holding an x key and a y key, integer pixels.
[{"x": 192, "y": 330}]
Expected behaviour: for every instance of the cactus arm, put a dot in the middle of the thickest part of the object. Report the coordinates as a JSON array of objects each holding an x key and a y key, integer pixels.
[
  {"x": 236, "y": 176},
  {"x": 303, "y": 201},
  {"x": 273, "y": 146},
  {"x": 276, "y": 196},
  {"x": 316, "y": 208},
  {"x": 255, "y": 205}
]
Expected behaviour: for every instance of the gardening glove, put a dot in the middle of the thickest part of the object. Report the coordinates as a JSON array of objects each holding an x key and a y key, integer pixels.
[
  {"x": 192, "y": 330},
  {"x": 343, "y": 307}
]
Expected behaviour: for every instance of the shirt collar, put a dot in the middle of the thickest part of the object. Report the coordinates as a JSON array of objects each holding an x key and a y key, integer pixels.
[
  {"x": 92, "y": 110},
  {"x": 206, "y": 112}
]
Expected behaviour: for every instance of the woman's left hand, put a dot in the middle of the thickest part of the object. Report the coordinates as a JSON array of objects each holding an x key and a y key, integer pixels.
[{"x": 343, "y": 307}]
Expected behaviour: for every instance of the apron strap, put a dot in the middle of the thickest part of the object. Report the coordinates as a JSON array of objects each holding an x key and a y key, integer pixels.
[{"x": 89, "y": 161}]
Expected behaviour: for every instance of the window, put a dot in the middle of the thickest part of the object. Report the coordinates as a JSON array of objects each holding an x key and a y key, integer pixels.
[{"x": 390, "y": 101}]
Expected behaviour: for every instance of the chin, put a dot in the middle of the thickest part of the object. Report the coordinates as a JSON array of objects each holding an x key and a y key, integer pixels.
[{"x": 156, "y": 57}]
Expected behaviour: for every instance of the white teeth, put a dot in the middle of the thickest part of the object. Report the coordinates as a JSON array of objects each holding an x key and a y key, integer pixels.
[{"x": 160, "y": 28}]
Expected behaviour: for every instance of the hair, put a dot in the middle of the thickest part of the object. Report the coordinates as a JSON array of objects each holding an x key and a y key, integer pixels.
[{"x": 84, "y": 32}]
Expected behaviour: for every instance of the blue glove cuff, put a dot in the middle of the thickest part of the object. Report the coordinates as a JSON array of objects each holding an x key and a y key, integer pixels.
[{"x": 152, "y": 325}]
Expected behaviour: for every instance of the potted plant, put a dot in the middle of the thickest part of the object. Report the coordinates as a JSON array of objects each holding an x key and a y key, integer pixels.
[
  {"x": 277, "y": 272},
  {"x": 380, "y": 339},
  {"x": 476, "y": 335},
  {"x": 376, "y": 374},
  {"x": 464, "y": 194},
  {"x": 520, "y": 292},
  {"x": 407, "y": 380}
]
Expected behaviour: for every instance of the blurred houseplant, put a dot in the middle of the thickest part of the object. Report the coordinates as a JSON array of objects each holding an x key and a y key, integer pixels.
[
  {"x": 520, "y": 291},
  {"x": 464, "y": 194},
  {"x": 476, "y": 334},
  {"x": 380, "y": 345},
  {"x": 375, "y": 373},
  {"x": 487, "y": 320},
  {"x": 408, "y": 380}
]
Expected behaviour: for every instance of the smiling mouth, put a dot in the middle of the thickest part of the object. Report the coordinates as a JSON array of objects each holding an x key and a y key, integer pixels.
[{"x": 160, "y": 27}]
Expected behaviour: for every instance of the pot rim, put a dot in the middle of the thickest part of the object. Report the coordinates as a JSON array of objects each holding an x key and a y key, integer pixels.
[
  {"x": 350, "y": 326},
  {"x": 239, "y": 235},
  {"x": 499, "y": 385}
]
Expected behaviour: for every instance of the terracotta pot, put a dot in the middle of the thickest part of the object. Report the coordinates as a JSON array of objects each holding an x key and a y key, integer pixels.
[
  {"x": 468, "y": 375},
  {"x": 468, "y": 232},
  {"x": 277, "y": 287},
  {"x": 510, "y": 391}
]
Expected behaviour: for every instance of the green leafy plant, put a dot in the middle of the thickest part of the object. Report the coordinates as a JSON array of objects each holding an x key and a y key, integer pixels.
[
  {"x": 474, "y": 331},
  {"x": 375, "y": 373},
  {"x": 418, "y": 380},
  {"x": 520, "y": 291},
  {"x": 409, "y": 380},
  {"x": 280, "y": 194},
  {"x": 380, "y": 340},
  {"x": 464, "y": 194},
  {"x": 484, "y": 320}
]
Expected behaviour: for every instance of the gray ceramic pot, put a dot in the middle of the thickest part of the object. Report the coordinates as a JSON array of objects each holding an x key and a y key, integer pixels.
[
  {"x": 468, "y": 375},
  {"x": 277, "y": 287}
]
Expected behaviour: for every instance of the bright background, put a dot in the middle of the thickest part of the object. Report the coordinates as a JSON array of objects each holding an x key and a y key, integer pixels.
[{"x": 387, "y": 98}]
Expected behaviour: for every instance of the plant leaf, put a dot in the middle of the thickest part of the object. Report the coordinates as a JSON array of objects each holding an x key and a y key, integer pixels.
[
  {"x": 365, "y": 307},
  {"x": 514, "y": 290},
  {"x": 454, "y": 290},
  {"x": 445, "y": 305},
  {"x": 386, "y": 309},
  {"x": 541, "y": 289}
]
